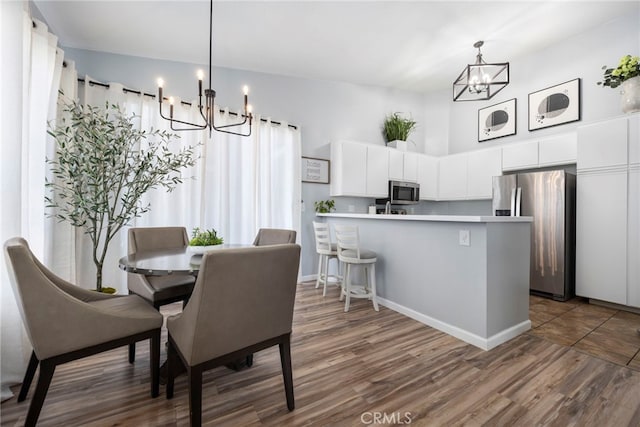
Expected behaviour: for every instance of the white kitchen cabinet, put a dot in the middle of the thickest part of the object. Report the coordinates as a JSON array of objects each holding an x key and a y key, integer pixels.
[
  {"x": 348, "y": 169},
  {"x": 452, "y": 177},
  {"x": 558, "y": 150},
  {"x": 482, "y": 166},
  {"x": 603, "y": 145},
  {"x": 403, "y": 165},
  {"x": 377, "y": 183},
  {"x": 523, "y": 155},
  {"x": 601, "y": 236},
  {"x": 608, "y": 211},
  {"x": 428, "y": 177},
  {"x": 396, "y": 164}
]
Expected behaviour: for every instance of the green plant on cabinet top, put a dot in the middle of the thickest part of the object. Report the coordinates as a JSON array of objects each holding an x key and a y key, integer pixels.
[
  {"x": 397, "y": 128},
  {"x": 628, "y": 68}
]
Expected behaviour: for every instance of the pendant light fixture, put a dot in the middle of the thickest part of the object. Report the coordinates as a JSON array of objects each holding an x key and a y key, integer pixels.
[
  {"x": 480, "y": 81},
  {"x": 207, "y": 111}
]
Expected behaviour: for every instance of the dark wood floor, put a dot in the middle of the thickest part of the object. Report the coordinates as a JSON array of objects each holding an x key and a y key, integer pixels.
[{"x": 351, "y": 367}]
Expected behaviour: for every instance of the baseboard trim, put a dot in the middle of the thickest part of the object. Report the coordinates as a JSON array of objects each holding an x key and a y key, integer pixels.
[{"x": 466, "y": 336}]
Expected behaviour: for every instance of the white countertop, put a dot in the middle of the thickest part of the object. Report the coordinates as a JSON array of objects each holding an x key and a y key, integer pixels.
[{"x": 440, "y": 218}]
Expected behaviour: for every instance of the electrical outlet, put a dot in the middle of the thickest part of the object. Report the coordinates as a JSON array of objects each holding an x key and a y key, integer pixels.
[
  {"x": 352, "y": 208},
  {"x": 463, "y": 238}
]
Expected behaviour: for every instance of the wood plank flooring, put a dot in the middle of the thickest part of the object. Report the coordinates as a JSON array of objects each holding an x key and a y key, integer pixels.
[{"x": 352, "y": 367}]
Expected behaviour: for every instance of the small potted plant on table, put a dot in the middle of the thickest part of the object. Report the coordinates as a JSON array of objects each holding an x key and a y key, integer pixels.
[{"x": 204, "y": 240}]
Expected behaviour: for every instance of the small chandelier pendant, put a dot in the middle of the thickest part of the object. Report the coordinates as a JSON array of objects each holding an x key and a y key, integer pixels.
[{"x": 480, "y": 81}]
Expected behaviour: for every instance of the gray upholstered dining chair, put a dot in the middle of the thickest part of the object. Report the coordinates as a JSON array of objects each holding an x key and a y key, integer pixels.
[
  {"x": 274, "y": 236},
  {"x": 158, "y": 290},
  {"x": 242, "y": 303},
  {"x": 65, "y": 322}
]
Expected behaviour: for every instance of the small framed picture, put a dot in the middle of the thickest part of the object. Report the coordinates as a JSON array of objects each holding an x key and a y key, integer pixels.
[
  {"x": 555, "y": 106},
  {"x": 315, "y": 170},
  {"x": 497, "y": 120}
]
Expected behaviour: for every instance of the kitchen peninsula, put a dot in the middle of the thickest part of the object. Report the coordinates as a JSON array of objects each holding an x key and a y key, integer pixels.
[{"x": 467, "y": 276}]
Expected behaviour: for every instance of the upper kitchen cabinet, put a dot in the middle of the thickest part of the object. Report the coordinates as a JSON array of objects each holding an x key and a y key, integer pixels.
[
  {"x": 428, "y": 177},
  {"x": 403, "y": 165},
  {"x": 358, "y": 169},
  {"x": 550, "y": 151},
  {"x": 452, "y": 177},
  {"x": 482, "y": 166}
]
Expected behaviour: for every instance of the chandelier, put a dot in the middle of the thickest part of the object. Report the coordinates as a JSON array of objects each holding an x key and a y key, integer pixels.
[
  {"x": 207, "y": 111},
  {"x": 480, "y": 81}
]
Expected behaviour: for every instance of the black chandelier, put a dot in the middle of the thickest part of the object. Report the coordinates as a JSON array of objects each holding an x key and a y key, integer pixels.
[
  {"x": 480, "y": 81},
  {"x": 207, "y": 111}
]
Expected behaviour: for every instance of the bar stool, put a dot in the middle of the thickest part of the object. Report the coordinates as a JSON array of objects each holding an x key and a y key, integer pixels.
[
  {"x": 327, "y": 252},
  {"x": 350, "y": 253}
]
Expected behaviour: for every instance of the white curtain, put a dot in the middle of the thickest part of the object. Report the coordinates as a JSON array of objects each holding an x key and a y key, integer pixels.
[{"x": 23, "y": 163}]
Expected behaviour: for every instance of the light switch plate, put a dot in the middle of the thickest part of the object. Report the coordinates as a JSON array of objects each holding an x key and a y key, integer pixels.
[{"x": 463, "y": 238}]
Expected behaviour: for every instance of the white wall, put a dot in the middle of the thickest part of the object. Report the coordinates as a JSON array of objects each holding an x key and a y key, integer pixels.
[
  {"x": 581, "y": 56},
  {"x": 324, "y": 110}
]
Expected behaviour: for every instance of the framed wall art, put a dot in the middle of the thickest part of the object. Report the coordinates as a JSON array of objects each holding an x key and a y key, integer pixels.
[
  {"x": 555, "y": 106},
  {"x": 315, "y": 170},
  {"x": 497, "y": 120}
]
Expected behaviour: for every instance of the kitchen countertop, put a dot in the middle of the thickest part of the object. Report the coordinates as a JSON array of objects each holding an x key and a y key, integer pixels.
[{"x": 440, "y": 218}]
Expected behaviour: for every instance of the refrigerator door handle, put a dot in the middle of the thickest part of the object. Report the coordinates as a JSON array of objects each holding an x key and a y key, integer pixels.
[
  {"x": 518, "y": 200},
  {"x": 513, "y": 202}
]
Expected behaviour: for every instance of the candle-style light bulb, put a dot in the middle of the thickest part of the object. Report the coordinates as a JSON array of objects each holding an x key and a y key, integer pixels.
[
  {"x": 249, "y": 108},
  {"x": 200, "y": 75},
  {"x": 245, "y": 90},
  {"x": 160, "y": 84}
]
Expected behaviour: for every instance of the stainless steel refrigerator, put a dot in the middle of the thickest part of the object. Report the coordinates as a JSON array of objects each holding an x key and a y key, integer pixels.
[{"x": 550, "y": 198}]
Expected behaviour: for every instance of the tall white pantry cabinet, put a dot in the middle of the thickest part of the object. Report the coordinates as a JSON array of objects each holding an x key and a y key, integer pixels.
[{"x": 608, "y": 211}]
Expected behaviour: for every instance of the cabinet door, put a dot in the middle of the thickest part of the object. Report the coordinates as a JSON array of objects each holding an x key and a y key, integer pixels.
[
  {"x": 520, "y": 156},
  {"x": 559, "y": 150},
  {"x": 396, "y": 164},
  {"x": 428, "y": 177},
  {"x": 483, "y": 165},
  {"x": 349, "y": 161},
  {"x": 410, "y": 172},
  {"x": 602, "y": 145},
  {"x": 377, "y": 171},
  {"x": 452, "y": 177},
  {"x": 633, "y": 242},
  {"x": 601, "y": 236}
]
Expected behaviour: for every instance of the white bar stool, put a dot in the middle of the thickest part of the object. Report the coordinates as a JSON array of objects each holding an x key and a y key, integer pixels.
[
  {"x": 350, "y": 253},
  {"x": 327, "y": 251}
]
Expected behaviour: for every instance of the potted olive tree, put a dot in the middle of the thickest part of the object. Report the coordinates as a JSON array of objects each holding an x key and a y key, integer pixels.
[
  {"x": 396, "y": 130},
  {"x": 101, "y": 170}
]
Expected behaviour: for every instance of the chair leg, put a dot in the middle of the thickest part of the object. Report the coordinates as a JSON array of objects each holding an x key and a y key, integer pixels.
[
  {"x": 44, "y": 379},
  {"x": 326, "y": 275},
  {"x": 172, "y": 361},
  {"x": 132, "y": 352},
  {"x": 154, "y": 350},
  {"x": 318, "y": 279},
  {"x": 195, "y": 395},
  {"x": 28, "y": 377},
  {"x": 287, "y": 372},
  {"x": 374, "y": 296},
  {"x": 347, "y": 287}
]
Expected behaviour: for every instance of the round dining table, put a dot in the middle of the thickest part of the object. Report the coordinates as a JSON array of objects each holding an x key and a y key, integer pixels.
[{"x": 169, "y": 261}]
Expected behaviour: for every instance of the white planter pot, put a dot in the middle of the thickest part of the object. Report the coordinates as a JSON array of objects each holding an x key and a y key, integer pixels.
[
  {"x": 630, "y": 101},
  {"x": 399, "y": 145}
]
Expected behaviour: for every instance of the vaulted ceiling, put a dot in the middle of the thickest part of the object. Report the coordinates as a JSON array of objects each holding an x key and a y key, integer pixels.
[{"x": 412, "y": 45}]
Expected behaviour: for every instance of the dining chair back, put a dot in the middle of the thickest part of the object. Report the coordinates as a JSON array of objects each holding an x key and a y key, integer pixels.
[
  {"x": 274, "y": 236},
  {"x": 242, "y": 303},
  {"x": 65, "y": 322}
]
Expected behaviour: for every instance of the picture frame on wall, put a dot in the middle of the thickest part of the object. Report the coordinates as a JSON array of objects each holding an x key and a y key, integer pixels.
[
  {"x": 315, "y": 170},
  {"x": 556, "y": 105},
  {"x": 497, "y": 121}
]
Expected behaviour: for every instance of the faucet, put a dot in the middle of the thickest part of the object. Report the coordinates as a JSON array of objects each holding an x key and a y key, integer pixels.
[{"x": 387, "y": 208}]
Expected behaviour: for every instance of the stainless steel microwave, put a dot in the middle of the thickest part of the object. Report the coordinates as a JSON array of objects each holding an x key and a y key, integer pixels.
[{"x": 402, "y": 193}]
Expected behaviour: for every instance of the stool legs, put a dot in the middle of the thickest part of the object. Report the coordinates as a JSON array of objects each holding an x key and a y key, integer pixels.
[
  {"x": 319, "y": 279},
  {"x": 370, "y": 285},
  {"x": 374, "y": 297}
]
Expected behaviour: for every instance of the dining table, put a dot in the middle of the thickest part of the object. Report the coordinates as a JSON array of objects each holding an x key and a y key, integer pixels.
[{"x": 185, "y": 260}]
